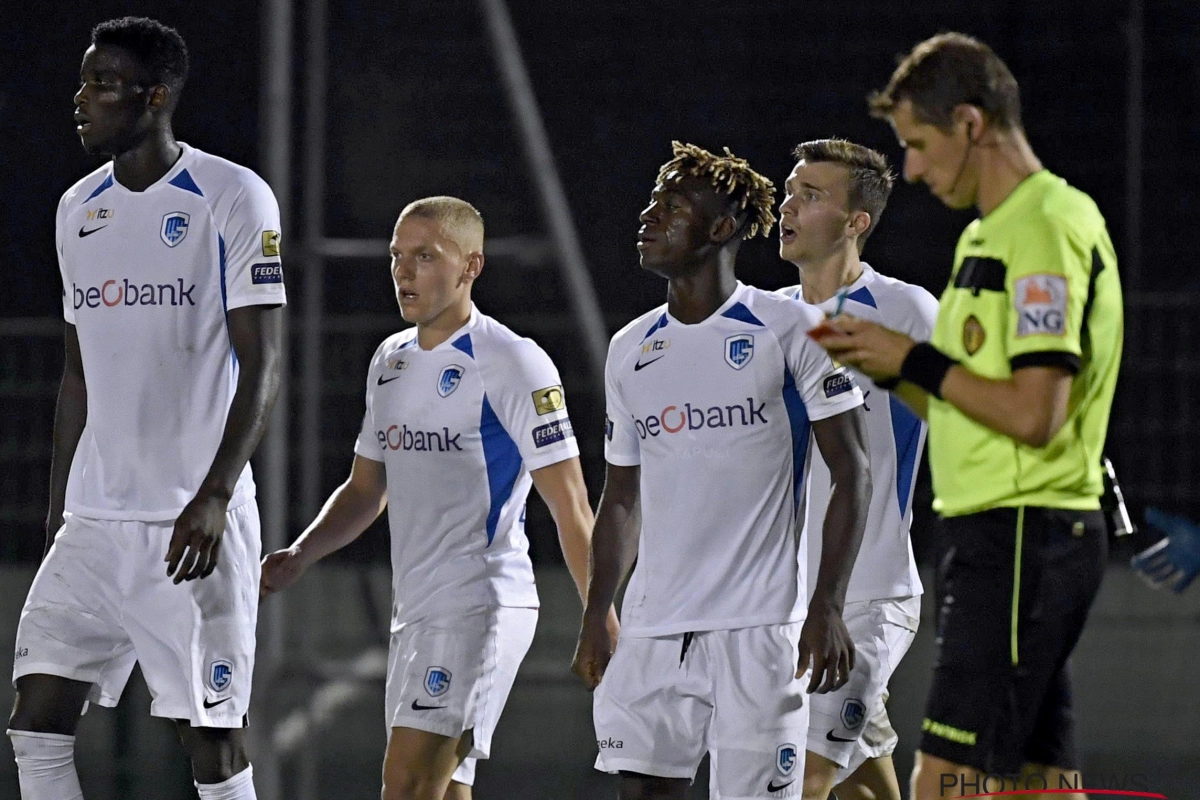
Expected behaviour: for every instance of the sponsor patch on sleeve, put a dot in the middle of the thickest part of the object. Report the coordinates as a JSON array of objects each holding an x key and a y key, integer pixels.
[
  {"x": 552, "y": 432},
  {"x": 1041, "y": 302},
  {"x": 266, "y": 273},
  {"x": 838, "y": 383},
  {"x": 549, "y": 400},
  {"x": 270, "y": 243}
]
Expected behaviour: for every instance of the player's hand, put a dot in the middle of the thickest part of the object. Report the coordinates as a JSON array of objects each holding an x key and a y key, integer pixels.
[
  {"x": 196, "y": 541},
  {"x": 597, "y": 641},
  {"x": 1173, "y": 562},
  {"x": 870, "y": 348},
  {"x": 826, "y": 644},
  {"x": 280, "y": 570}
]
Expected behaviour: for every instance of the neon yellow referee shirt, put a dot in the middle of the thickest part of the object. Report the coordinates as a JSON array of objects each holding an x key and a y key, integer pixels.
[{"x": 1035, "y": 284}]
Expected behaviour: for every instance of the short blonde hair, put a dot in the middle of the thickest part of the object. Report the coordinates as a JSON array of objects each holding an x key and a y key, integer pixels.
[
  {"x": 458, "y": 218},
  {"x": 753, "y": 193}
]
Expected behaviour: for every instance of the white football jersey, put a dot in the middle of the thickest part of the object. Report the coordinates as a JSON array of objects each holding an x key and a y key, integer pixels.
[
  {"x": 885, "y": 566},
  {"x": 147, "y": 280},
  {"x": 717, "y": 415},
  {"x": 458, "y": 429}
]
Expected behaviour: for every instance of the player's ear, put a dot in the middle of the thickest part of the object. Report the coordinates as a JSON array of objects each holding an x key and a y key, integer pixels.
[
  {"x": 722, "y": 229},
  {"x": 858, "y": 223},
  {"x": 474, "y": 266},
  {"x": 158, "y": 96}
]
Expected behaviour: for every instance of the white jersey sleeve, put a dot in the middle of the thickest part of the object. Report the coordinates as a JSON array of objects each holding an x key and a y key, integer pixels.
[
  {"x": 67, "y": 279},
  {"x": 253, "y": 273},
  {"x": 620, "y": 436},
  {"x": 826, "y": 389},
  {"x": 527, "y": 397}
]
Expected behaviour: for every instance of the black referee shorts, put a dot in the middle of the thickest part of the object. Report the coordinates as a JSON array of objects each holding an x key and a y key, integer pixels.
[{"x": 1018, "y": 585}]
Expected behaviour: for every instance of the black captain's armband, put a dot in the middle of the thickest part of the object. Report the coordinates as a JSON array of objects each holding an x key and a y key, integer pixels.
[{"x": 981, "y": 275}]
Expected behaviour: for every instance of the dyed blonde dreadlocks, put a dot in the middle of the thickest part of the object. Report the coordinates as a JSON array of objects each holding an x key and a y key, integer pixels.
[{"x": 729, "y": 175}]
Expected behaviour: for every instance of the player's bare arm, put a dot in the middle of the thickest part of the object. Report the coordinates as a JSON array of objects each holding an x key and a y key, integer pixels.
[
  {"x": 824, "y": 640},
  {"x": 614, "y": 549},
  {"x": 562, "y": 488},
  {"x": 348, "y": 512},
  {"x": 1030, "y": 407},
  {"x": 70, "y": 415},
  {"x": 256, "y": 333}
]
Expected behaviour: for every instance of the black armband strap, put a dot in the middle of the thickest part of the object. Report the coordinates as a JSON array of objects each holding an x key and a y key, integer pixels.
[
  {"x": 926, "y": 366},
  {"x": 888, "y": 384}
]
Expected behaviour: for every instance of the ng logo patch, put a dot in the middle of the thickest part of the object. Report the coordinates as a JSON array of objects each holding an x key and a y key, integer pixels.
[{"x": 1041, "y": 302}]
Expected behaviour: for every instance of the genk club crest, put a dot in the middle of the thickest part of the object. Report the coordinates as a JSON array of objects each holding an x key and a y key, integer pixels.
[
  {"x": 174, "y": 228},
  {"x": 739, "y": 350},
  {"x": 854, "y": 713},
  {"x": 437, "y": 681},
  {"x": 785, "y": 759},
  {"x": 220, "y": 675},
  {"x": 449, "y": 379}
]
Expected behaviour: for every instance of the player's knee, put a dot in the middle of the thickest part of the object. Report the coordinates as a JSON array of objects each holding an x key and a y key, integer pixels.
[
  {"x": 404, "y": 783},
  {"x": 47, "y": 706},
  {"x": 217, "y": 754},
  {"x": 819, "y": 776}
]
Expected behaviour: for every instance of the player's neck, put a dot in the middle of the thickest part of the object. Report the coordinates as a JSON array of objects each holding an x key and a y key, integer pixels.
[
  {"x": 821, "y": 280},
  {"x": 437, "y": 330},
  {"x": 143, "y": 165},
  {"x": 694, "y": 297},
  {"x": 1006, "y": 164}
]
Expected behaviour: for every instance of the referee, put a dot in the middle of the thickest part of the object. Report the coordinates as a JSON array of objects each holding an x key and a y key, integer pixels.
[{"x": 1017, "y": 386}]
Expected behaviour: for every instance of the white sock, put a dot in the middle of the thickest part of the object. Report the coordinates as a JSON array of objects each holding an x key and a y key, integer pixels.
[
  {"x": 239, "y": 787},
  {"x": 46, "y": 765}
]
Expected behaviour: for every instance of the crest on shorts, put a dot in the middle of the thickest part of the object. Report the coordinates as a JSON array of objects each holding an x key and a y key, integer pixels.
[
  {"x": 739, "y": 350},
  {"x": 785, "y": 759},
  {"x": 449, "y": 379},
  {"x": 437, "y": 681},
  {"x": 174, "y": 227},
  {"x": 854, "y": 713},
  {"x": 220, "y": 675}
]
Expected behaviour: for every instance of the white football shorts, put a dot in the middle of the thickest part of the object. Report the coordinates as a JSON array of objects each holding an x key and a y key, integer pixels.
[
  {"x": 102, "y": 600},
  {"x": 851, "y": 724},
  {"x": 666, "y": 700},
  {"x": 453, "y": 674}
]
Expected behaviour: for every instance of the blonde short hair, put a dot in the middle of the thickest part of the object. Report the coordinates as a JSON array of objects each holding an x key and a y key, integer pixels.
[{"x": 458, "y": 218}]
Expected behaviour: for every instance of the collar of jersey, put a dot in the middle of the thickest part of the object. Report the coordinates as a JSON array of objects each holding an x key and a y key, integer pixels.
[
  {"x": 738, "y": 291},
  {"x": 185, "y": 157},
  {"x": 1030, "y": 183},
  {"x": 468, "y": 326},
  {"x": 828, "y": 306}
]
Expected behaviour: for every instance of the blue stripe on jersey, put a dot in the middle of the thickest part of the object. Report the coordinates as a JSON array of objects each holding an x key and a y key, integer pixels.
[
  {"x": 906, "y": 430},
  {"x": 864, "y": 296},
  {"x": 742, "y": 314},
  {"x": 798, "y": 418},
  {"x": 503, "y": 461},
  {"x": 184, "y": 181},
  {"x": 662, "y": 323},
  {"x": 464, "y": 343},
  {"x": 221, "y": 250},
  {"x": 108, "y": 182}
]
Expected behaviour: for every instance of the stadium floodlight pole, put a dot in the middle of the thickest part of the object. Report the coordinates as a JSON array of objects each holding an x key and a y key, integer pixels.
[
  {"x": 274, "y": 156},
  {"x": 550, "y": 190},
  {"x": 1135, "y": 33}
]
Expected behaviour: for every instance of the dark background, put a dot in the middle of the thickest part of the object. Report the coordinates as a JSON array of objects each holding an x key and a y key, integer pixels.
[{"x": 416, "y": 107}]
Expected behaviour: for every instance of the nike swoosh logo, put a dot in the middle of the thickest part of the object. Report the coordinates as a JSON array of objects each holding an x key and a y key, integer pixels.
[
  {"x": 640, "y": 365},
  {"x": 83, "y": 232},
  {"x": 775, "y": 787},
  {"x": 418, "y": 707},
  {"x": 833, "y": 738},
  {"x": 389, "y": 380},
  {"x": 207, "y": 704}
]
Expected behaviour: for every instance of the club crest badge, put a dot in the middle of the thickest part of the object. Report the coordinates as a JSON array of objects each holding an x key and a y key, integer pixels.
[
  {"x": 449, "y": 379},
  {"x": 739, "y": 350},
  {"x": 174, "y": 228}
]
